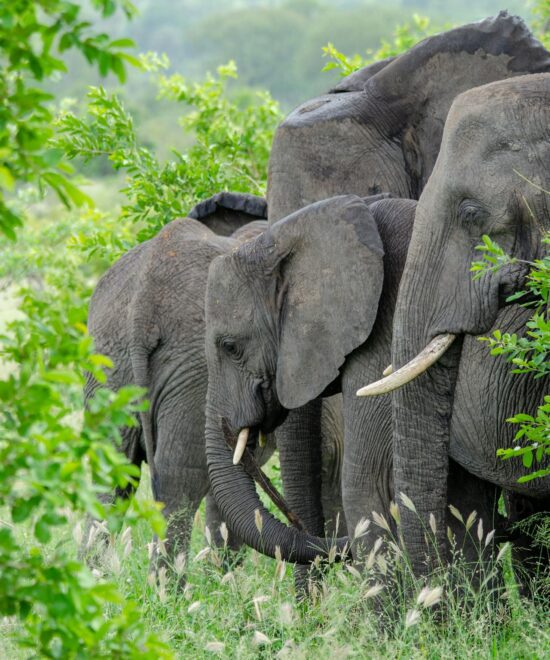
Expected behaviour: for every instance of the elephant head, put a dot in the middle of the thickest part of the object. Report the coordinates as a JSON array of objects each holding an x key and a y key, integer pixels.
[
  {"x": 491, "y": 177},
  {"x": 380, "y": 129},
  {"x": 276, "y": 338}
]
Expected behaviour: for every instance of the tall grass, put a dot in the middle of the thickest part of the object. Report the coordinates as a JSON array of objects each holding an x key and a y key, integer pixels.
[{"x": 248, "y": 609}]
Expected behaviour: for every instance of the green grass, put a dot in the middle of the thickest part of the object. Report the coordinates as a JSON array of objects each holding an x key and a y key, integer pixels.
[{"x": 250, "y": 611}]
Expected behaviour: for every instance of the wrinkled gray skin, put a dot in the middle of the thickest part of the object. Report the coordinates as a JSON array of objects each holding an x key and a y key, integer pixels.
[
  {"x": 379, "y": 130},
  {"x": 147, "y": 315},
  {"x": 305, "y": 308},
  {"x": 496, "y": 137}
]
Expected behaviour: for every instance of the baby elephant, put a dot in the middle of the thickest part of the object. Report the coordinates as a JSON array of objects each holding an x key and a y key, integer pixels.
[{"x": 147, "y": 315}]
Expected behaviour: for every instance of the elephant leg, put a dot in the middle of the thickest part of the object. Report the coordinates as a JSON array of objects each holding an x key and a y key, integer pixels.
[
  {"x": 93, "y": 541},
  {"x": 530, "y": 556},
  {"x": 299, "y": 444},
  {"x": 180, "y": 463},
  {"x": 332, "y": 455},
  {"x": 367, "y": 476}
]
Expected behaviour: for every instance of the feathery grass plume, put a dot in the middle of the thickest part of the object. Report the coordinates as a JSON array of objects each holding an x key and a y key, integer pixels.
[
  {"x": 489, "y": 537},
  {"x": 433, "y": 525},
  {"x": 127, "y": 548},
  {"x": 207, "y": 535},
  {"x": 456, "y": 513},
  {"x": 381, "y": 521},
  {"x": 259, "y": 639},
  {"x": 78, "y": 534},
  {"x": 256, "y": 601},
  {"x": 373, "y": 591},
  {"x": 382, "y": 564},
  {"x": 214, "y": 647},
  {"x": 194, "y": 607},
  {"x": 258, "y": 520},
  {"x": 228, "y": 577},
  {"x": 480, "y": 530},
  {"x": 351, "y": 569},
  {"x": 412, "y": 618},
  {"x": 224, "y": 533},
  {"x": 286, "y": 614},
  {"x": 429, "y": 597},
  {"x": 407, "y": 502},
  {"x": 361, "y": 528},
  {"x": 202, "y": 554},
  {"x": 394, "y": 512},
  {"x": 126, "y": 535},
  {"x": 471, "y": 520},
  {"x": 179, "y": 564},
  {"x": 150, "y": 549}
]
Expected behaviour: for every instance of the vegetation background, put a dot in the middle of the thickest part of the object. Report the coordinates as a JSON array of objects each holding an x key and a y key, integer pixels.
[{"x": 145, "y": 152}]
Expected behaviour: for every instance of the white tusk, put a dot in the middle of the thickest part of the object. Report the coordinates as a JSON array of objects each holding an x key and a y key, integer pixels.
[
  {"x": 388, "y": 371},
  {"x": 241, "y": 445},
  {"x": 418, "y": 365}
]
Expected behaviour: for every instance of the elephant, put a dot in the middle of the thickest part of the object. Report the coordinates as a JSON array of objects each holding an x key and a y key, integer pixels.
[
  {"x": 491, "y": 178},
  {"x": 301, "y": 311},
  {"x": 379, "y": 130},
  {"x": 147, "y": 314}
]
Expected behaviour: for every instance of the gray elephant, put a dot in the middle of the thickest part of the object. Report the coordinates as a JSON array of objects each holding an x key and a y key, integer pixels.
[
  {"x": 306, "y": 309},
  {"x": 379, "y": 130},
  {"x": 311, "y": 159},
  {"x": 147, "y": 314},
  {"x": 491, "y": 177}
]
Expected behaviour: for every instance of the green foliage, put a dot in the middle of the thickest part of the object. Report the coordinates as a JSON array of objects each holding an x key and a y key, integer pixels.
[
  {"x": 229, "y": 152},
  {"x": 32, "y": 35},
  {"x": 527, "y": 352},
  {"x": 404, "y": 37},
  {"x": 541, "y": 9},
  {"x": 55, "y": 462},
  {"x": 53, "y": 465}
]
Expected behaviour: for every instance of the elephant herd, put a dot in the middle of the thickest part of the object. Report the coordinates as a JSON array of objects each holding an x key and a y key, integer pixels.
[{"x": 255, "y": 319}]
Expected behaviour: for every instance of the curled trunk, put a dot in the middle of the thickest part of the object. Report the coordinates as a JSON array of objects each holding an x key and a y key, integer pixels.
[{"x": 243, "y": 511}]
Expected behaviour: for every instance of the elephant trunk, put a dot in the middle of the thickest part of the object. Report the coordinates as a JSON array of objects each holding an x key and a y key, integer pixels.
[
  {"x": 241, "y": 508},
  {"x": 421, "y": 416}
]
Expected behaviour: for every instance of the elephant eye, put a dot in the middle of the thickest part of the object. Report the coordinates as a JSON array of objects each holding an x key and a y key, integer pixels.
[
  {"x": 469, "y": 210},
  {"x": 230, "y": 347}
]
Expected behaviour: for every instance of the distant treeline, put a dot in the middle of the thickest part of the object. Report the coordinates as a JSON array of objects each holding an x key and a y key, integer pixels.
[{"x": 275, "y": 43}]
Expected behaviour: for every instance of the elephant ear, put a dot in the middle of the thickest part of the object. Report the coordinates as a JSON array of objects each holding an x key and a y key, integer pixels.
[
  {"x": 355, "y": 82},
  {"x": 330, "y": 278},
  {"x": 420, "y": 85},
  {"x": 226, "y": 212}
]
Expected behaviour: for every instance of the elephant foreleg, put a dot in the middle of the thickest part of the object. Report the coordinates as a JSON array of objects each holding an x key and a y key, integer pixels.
[{"x": 299, "y": 444}]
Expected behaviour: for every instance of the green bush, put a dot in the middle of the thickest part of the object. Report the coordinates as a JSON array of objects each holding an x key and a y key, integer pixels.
[
  {"x": 230, "y": 148},
  {"x": 33, "y": 34},
  {"x": 528, "y": 353}
]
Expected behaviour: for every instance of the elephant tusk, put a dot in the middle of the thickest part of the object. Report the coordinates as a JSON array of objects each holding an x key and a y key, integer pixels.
[
  {"x": 241, "y": 445},
  {"x": 418, "y": 365},
  {"x": 388, "y": 371}
]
